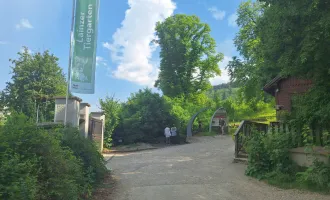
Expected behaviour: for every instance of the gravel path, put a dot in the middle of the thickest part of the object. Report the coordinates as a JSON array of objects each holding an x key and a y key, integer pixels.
[{"x": 200, "y": 170}]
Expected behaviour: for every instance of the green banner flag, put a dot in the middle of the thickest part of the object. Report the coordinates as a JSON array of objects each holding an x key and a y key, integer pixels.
[{"x": 84, "y": 47}]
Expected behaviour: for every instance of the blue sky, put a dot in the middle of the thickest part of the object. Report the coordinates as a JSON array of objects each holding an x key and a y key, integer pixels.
[{"x": 126, "y": 61}]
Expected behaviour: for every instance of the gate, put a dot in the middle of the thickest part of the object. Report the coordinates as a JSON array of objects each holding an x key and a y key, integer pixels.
[{"x": 95, "y": 132}]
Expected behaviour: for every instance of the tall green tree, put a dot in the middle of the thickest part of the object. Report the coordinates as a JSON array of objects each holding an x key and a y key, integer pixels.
[
  {"x": 249, "y": 71},
  {"x": 112, "y": 108},
  {"x": 36, "y": 79},
  {"x": 295, "y": 39},
  {"x": 188, "y": 55}
]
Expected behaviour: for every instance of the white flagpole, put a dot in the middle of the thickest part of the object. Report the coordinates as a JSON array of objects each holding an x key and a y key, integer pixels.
[{"x": 69, "y": 66}]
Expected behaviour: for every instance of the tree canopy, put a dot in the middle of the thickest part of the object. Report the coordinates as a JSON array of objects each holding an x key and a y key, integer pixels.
[
  {"x": 248, "y": 71},
  {"x": 295, "y": 40},
  {"x": 35, "y": 80},
  {"x": 188, "y": 55}
]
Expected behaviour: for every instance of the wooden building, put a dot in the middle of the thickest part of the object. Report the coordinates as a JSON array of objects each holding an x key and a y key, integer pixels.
[{"x": 283, "y": 89}]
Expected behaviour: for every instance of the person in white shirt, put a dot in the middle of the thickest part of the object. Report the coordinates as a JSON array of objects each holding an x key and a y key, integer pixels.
[
  {"x": 173, "y": 131},
  {"x": 167, "y": 133}
]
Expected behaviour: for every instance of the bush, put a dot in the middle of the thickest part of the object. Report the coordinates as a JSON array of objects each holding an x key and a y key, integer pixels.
[
  {"x": 86, "y": 151},
  {"x": 144, "y": 117},
  {"x": 17, "y": 177},
  {"x": 269, "y": 159},
  {"x": 268, "y": 153},
  {"x": 316, "y": 177},
  {"x": 36, "y": 164}
]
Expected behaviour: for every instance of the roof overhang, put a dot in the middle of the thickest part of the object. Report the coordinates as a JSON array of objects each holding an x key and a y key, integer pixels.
[{"x": 271, "y": 86}]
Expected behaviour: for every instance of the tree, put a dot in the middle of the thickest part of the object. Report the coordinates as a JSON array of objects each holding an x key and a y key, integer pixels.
[
  {"x": 295, "y": 39},
  {"x": 112, "y": 109},
  {"x": 35, "y": 80},
  {"x": 249, "y": 71},
  {"x": 188, "y": 56},
  {"x": 144, "y": 117}
]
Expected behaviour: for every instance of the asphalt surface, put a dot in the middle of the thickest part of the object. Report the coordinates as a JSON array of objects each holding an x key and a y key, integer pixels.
[{"x": 203, "y": 169}]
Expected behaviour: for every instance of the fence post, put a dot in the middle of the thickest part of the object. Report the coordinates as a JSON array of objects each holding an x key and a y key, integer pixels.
[{"x": 236, "y": 145}]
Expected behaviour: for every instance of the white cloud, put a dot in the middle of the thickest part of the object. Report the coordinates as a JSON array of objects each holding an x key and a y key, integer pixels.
[
  {"x": 217, "y": 14},
  {"x": 106, "y": 45},
  {"x": 131, "y": 48},
  {"x": 3, "y": 42},
  {"x": 100, "y": 61},
  {"x": 24, "y": 23},
  {"x": 232, "y": 20},
  {"x": 224, "y": 78}
]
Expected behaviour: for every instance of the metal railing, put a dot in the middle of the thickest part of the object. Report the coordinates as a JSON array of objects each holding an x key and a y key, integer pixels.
[{"x": 244, "y": 130}]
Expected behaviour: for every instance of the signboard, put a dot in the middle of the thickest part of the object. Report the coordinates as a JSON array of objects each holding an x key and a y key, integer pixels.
[{"x": 84, "y": 47}]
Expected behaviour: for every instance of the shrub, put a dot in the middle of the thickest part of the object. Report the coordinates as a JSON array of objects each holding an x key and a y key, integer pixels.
[
  {"x": 18, "y": 178},
  {"x": 268, "y": 153},
  {"x": 143, "y": 118},
  {"x": 269, "y": 159},
  {"x": 36, "y": 164},
  {"x": 258, "y": 160},
  {"x": 316, "y": 177},
  {"x": 86, "y": 151},
  {"x": 57, "y": 170}
]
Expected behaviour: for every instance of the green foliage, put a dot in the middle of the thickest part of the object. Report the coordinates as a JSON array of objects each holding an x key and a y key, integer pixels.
[
  {"x": 269, "y": 159},
  {"x": 182, "y": 109},
  {"x": 239, "y": 110},
  {"x": 112, "y": 109},
  {"x": 268, "y": 153},
  {"x": 249, "y": 72},
  {"x": 17, "y": 179},
  {"x": 316, "y": 177},
  {"x": 41, "y": 164},
  {"x": 36, "y": 79},
  {"x": 295, "y": 42},
  {"x": 85, "y": 150},
  {"x": 188, "y": 56},
  {"x": 144, "y": 117},
  {"x": 221, "y": 94}
]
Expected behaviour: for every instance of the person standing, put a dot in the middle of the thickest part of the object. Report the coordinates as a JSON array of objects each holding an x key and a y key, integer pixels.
[
  {"x": 222, "y": 125},
  {"x": 167, "y": 133},
  {"x": 200, "y": 126}
]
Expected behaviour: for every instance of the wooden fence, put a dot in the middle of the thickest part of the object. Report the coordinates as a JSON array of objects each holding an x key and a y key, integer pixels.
[{"x": 315, "y": 136}]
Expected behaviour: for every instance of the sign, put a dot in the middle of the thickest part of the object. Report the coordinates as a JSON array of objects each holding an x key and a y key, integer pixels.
[{"x": 84, "y": 47}]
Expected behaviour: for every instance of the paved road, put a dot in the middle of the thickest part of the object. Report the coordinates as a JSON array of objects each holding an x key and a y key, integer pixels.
[{"x": 200, "y": 170}]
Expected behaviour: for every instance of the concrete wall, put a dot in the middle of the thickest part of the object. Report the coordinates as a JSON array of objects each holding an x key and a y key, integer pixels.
[
  {"x": 303, "y": 158},
  {"x": 84, "y": 119},
  {"x": 72, "y": 113}
]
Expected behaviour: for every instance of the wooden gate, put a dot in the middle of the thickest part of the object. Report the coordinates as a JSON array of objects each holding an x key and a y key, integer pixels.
[{"x": 95, "y": 132}]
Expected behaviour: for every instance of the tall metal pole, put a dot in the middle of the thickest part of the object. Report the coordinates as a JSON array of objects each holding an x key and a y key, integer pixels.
[{"x": 69, "y": 66}]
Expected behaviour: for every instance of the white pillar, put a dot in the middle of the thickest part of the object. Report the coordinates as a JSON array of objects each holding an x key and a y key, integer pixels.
[
  {"x": 73, "y": 114},
  {"x": 84, "y": 119}
]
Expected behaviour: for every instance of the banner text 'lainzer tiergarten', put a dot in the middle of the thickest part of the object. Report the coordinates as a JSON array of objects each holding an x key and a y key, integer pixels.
[{"x": 84, "y": 47}]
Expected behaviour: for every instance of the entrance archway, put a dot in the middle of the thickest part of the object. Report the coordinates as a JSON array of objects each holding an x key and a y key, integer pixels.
[
  {"x": 220, "y": 112},
  {"x": 191, "y": 121}
]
